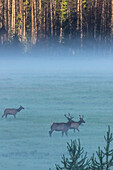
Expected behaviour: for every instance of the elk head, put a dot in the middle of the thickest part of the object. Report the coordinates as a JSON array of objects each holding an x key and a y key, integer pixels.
[{"x": 81, "y": 119}]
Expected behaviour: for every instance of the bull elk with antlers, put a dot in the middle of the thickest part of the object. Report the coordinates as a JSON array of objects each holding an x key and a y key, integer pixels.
[
  {"x": 63, "y": 127},
  {"x": 75, "y": 125}
]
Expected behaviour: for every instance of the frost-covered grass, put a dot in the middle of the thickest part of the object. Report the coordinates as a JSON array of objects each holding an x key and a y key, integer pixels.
[{"x": 25, "y": 143}]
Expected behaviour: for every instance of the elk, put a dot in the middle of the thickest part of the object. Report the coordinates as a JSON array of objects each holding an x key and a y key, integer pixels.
[
  {"x": 75, "y": 125},
  {"x": 64, "y": 127},
  {"x": 9, "y": 111}
]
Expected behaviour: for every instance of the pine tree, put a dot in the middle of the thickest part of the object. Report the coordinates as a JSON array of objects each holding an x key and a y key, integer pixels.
[
  {"x": 77, "y": 159},
  {"x": 105, "y": 158}
]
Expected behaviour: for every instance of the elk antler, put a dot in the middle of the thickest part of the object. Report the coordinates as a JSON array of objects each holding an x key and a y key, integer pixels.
[
  {"x": 66, "y": 116},
  {"x": 69, "y": 114},
  {"x": 81, "y": 117},
  {"x": 69, "y": 117}
]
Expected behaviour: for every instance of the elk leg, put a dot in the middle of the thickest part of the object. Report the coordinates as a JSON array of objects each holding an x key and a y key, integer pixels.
[
  {"x": 66, "y": 133},
  {"x": 6, "y": 116},
  {"x": 74, "y": 130},
  {"x": 50, "y": 132},
  {"x": 78, "y": 130},
  {"x": 3, "y": 115},
  {"x": 14, "y": 116},
  {"x": 62, "y": 133}
]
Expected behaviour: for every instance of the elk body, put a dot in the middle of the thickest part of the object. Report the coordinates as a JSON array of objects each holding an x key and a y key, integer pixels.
[
  {"x": 75, "y": 125},
  {"x": 9, "y": 111},
  {"x": 63, "y": 127}
]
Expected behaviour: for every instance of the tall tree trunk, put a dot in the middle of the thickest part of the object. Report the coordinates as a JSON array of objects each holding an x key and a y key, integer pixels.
[
  {"x": 78, "y": 5},
  {"x": 102, "y": 19},
  {"x": 35, "y": 21},
  {"x": 47, "y": 21},
  {"x": 95, "y": 16},
  {"x": 32, "y": 22},
  {"x": 51, "y": 15},
  {"x": 24, "y": 25},
  {"x": 39, "y": 14},
  {"x": 13, "y": 17},
  {"x": 54, "y": 12},
  {"x": 21, "y": 19},
  {"x": 44, "y": 23},
  {"x": 75, "y": 6},
  {"x": 17, "y": 13},
  {"x": 111, "y": 19},
  {"x": 105, "y": 16},
  {"x": 69, "y": 18},
  {"x": 5, "y": 14},
  {"x": 9, "y": 19},
  {"x": 61, "y": 28},
  {"x": 1, "y": 14},
  {"x": 61, "y": 20},
  {"x": 81, "y": 30}
]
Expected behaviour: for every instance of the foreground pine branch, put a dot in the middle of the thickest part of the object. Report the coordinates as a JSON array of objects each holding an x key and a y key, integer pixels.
[
  {"x": 78, "y": 159},
  {"x": 104, "y": 160}
]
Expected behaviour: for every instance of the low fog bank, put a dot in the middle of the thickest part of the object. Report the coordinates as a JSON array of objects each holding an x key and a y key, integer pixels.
[
  {"x": 54, "y": 65},
  {"x": 56, "y": 58},
  {"x": 54, "y": 49}
]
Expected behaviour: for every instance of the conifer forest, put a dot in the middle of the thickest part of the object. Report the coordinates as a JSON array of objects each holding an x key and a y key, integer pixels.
[{"x": 33, "y": 20}]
